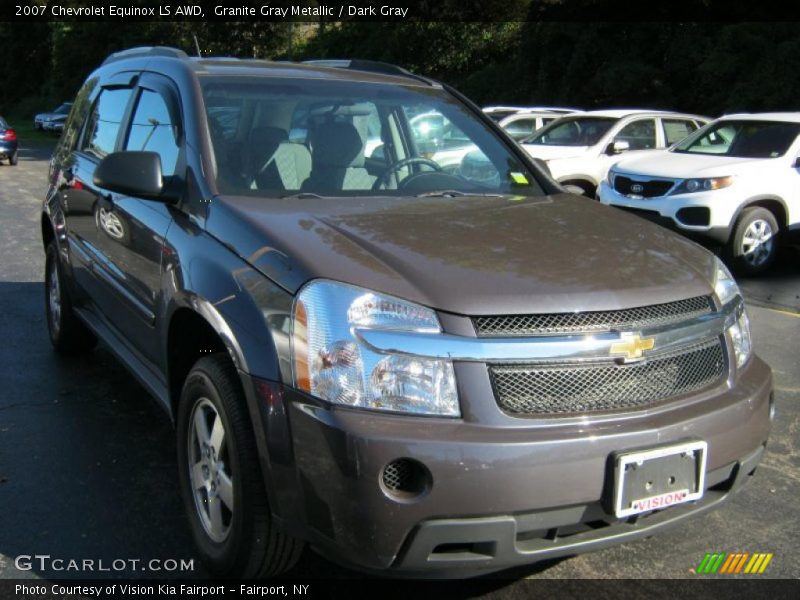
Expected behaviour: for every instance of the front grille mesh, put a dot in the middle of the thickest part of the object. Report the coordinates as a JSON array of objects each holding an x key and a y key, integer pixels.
[
  {"x": 649, "y": 189},
  {"x": 592, "y": 322},
  {"x": 576, "y": 388}
]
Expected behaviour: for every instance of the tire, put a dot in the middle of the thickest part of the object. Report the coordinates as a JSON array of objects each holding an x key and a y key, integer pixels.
[
  {"x": 218, "y": 468},
  {"x": 67, "y": 333},
  {"x": 754, "y": 243},
  {"x": 13, "y": 159}
]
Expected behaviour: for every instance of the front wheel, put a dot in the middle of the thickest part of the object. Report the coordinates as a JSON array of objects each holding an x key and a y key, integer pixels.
[
  {"x": 754, "y": 244},
  {"x": 220, "y": 479}
]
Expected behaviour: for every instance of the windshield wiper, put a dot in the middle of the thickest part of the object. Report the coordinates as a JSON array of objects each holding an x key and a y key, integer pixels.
[
  {"x": 302, "y": 196},
  {"x": 454, "y": 194}
]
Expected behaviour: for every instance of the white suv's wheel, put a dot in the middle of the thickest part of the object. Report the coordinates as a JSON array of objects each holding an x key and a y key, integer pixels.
[{"x": 754, "y": 243}]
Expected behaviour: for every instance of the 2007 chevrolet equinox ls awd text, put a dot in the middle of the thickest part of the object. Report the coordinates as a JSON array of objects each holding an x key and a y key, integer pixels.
[{"x": 413, "y": 368}]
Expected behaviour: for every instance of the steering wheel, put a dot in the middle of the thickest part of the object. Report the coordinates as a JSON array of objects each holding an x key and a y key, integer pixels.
[{"x": 384, "y": 178}]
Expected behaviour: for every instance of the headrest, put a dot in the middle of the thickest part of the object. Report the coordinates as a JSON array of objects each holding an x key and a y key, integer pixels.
[
  {"x": 263, "y": 141},
  {"x": 338, "y": 145}
]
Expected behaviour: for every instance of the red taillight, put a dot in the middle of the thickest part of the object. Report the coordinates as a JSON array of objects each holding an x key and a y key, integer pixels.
[{"x": 9, "y": 135}]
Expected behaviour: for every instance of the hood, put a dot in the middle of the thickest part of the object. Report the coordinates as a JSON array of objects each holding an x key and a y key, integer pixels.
[
  {"x": 546, "y": 152},
  {"x": 473, "y": 255},
  {"x": 678, "y": 165}
]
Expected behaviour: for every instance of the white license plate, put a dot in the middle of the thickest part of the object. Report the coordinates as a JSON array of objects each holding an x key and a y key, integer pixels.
[{"x": 657, "y": 478}]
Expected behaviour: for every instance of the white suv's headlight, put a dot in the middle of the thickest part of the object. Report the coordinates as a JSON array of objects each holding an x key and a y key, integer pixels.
[
  {"x": 726, "y": 290},
  {"x": 330, "y": 363}
]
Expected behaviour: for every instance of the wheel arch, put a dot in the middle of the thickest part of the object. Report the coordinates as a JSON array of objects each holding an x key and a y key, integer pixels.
[
  {"x": 585, "y": 182},
  {"x": 48, "y": 231},
  {"x": 774, "y": 204}
]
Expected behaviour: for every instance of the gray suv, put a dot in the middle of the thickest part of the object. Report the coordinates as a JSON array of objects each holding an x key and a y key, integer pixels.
[{"x": 408, "y": 369}]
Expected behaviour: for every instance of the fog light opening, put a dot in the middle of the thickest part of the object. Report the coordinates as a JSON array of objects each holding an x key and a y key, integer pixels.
[{"x": 405, "y": 479}]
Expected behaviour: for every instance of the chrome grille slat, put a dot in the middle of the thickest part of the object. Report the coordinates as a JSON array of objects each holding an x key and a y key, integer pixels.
[
  {"x": 591, "y": 322},
  {"x": 530, "y": 389}
]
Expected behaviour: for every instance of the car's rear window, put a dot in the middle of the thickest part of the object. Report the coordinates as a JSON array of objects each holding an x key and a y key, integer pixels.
[{"x": 278, "y": 137}]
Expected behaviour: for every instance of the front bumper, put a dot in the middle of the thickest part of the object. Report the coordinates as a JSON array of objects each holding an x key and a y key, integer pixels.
[
  {"x": 704, "y": 215},
  {"x": 499, "y": 496}
]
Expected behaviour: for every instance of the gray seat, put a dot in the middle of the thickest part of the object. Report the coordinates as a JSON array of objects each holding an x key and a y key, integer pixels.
[
  {"x": 287, "y": 169},
  {"x": 276, "y": 163},
  {"x": 338, "y": 160}
]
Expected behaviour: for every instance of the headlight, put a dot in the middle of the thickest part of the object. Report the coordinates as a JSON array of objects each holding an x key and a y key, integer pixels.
[
  {"x": 612, "y": 174},
  {"x": 726, "y": 289},
  {"x": 740, "y": 337},
  {"x": 330, "y": 363},
  {"x": 689, "y": 186}
]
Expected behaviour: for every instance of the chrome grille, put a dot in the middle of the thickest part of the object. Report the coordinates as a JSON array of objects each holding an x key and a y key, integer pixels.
[
  {"x": 588, "y": 387},
  {"x": 592, "y": 322}
]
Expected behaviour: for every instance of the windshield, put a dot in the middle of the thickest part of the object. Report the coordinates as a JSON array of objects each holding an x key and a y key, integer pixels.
[
  {"x": 572, "y": 131},
  {"x": 63, "y": 109},
  {"x": 742, "y": 139},
  {"x": 281, "y": 137},
  {"x": 3, "y": 124}
]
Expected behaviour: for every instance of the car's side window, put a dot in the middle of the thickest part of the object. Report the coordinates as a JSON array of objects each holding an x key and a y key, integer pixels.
[
  {"x": 521, "y": 128},
  {"x": 677, "y": 129},
  {"x": 641, "y": 134},
  {"x": 152, "y": 129},
  {"x": 104, "y": 120}
]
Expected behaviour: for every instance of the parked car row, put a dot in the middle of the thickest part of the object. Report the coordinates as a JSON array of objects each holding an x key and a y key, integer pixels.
[{"x": 734, "y": 181}]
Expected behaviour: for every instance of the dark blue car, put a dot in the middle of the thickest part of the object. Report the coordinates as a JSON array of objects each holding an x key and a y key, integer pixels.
[{"x": 8, "y": 142}]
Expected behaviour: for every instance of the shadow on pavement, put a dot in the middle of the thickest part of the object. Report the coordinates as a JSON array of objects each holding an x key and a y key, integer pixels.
[{"x": 779, "y": 287}]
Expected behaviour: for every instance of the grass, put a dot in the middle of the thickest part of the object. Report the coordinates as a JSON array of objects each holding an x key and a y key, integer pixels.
[{"x": 27, "y": 134}]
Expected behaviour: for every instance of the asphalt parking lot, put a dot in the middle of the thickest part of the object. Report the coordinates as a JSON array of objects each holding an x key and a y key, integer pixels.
[{"x": 87, "y": 465}]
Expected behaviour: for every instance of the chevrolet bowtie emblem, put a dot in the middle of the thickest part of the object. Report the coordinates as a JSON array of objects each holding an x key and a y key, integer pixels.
[{"x": 632, "y": 346}]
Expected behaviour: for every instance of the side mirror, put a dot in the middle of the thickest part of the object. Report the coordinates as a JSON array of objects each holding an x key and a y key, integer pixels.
[
  {"x": 618, "y": 147},
  {"x": 542, "y": 165},
  {"x": 131, "y": 173},
  {"x": 797, "y": 163}
]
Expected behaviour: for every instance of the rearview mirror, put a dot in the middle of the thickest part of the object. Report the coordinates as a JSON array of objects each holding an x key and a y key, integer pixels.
[
  {"x": 618, "y": 147},
  {"x": 131, "y": 173}
]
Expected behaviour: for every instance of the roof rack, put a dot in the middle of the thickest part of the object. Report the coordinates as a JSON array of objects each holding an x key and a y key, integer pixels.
[
  {"x": 146, "y": 51},
  {"x": 371, "y": 66}
]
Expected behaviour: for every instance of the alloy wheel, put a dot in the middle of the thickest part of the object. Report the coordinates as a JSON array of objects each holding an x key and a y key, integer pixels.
[
  {"x": 757, "y": 242},
  {"x": 210, "y": 470}
]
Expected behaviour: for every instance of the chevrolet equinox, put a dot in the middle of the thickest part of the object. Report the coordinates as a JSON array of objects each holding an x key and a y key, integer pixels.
[{"x": 411, "y": 367}]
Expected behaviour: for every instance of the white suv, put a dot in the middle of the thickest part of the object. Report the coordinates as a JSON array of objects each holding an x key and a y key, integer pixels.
[
  {"x": 736, "y": 182},
  {"x": 579, "y": 149}
]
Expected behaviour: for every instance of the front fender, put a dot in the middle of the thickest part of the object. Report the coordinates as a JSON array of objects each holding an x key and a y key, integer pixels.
[{"x": 246, "y": 310}]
